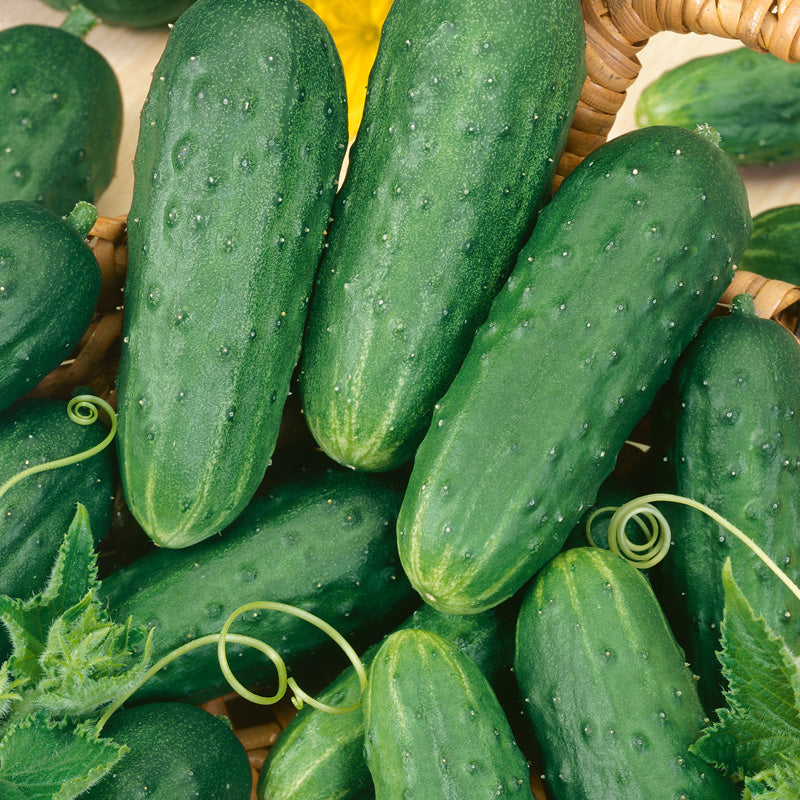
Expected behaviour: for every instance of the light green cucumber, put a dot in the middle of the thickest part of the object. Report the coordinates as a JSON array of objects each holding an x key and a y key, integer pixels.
[
  {"x": 242, "y": 138},
  {"x": 613, "y": 706},
  {"x": 622, "y": 268},
  {"x": 467, "y": 111},
  {"x": 433, "y": 725}
]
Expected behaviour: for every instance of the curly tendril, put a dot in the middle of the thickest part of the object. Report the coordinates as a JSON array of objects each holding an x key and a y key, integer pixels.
[
  {"x": 658, "y": 535},
  {"x": 83, "y": 410},
  {"x": 299, "y": 697}
]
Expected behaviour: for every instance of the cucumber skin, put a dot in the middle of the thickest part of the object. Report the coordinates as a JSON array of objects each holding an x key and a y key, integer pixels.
[
  {"x": 774, "y": 244},
  {"x": 250, "y": 136},
  {"x": 37, "y": 511},
  {"x": 433, "y": 726},
  {"x": 69, "y": 97},
  {"x": 323, "y": 542},
  {"x": 569, "y": 360},
  {"x": 749, "y": 98},
  {"x": 50, "y": 285},
  {"x": 138, "y": 14},
  {"x": 177, "y": 752},
  {"x": 746, "y": 467},
  {"x": 611, "y": 701},
  {"x": 455, "y": 154},
  {"x": 320, "y": 756}
]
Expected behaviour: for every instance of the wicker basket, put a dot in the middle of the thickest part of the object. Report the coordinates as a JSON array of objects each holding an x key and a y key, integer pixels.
[{"x": 616, "y": 31}]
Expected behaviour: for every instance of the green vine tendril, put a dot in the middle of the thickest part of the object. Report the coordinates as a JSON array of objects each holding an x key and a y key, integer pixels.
[
  {"x": 299, "y": 697},
  {"x": 81, "y": 409},
  {"x": 658, "y": 535}
]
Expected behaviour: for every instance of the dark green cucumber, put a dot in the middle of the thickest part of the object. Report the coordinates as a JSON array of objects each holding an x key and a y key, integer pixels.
[
  {"x": 49, "y": 285},
  {"x": 36, "y": 512},
  {"x": 751, "y": 99},
  {"x": 433, "y": 727},
  {"x": 320, "y": 755},
  {"x": 323, "y": 542},
  {"x": 730, "y": 417},
  {"x": 60, "y": 117},
  {"x": 624, "y": 264},
  {"x": 242, "y": 138},
  {"x": 177, "y": 752},
  {"x": 467, "y": 111},
  {"x": 612, "y": 703},
  {"x": 138, "y": 13},
  {"x": 774, "y": 246}
]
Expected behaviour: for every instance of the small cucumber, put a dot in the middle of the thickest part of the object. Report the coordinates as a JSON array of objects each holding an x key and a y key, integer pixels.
[
  {"x": 37, "y": 510},
  {"x": 177, "y": 752},
  {"x": 49, "y": 286},
  {"x": 323, "y": 542},
  {"x": 242, "y": 138},
  {"x": 434, "y": 727},
  {"x": 60, "y": 117},
  {"x": 773, "y": 249},
  {"x": 320, "y": 755},
  {"x": 729, "y": 415},
  {"x": 468, "y": 107},
  {"x": 751, "y": 99},
  {"x": 612, "y": 703},
  {"x": 138, "y": 13},
  {"x": 623, "y": 266}
]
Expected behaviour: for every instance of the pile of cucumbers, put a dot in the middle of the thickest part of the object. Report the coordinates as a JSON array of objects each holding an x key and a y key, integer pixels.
[{"x": 469, "y": 352}]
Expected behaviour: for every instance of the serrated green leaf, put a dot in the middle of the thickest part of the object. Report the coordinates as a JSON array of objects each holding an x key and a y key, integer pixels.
[
  {"x": 760, "y": 728},
  {"x": 45, "y": 760},
  {"x": 782, "y": 782}
]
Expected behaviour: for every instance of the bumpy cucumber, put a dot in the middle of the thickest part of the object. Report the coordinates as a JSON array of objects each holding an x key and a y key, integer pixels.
[
  {"x": 138, "y": 13},
  {"x": 730, "y": 413},
  {"x": 613, "y": 706},
  {"x": 323, "y": 542},
  {"x": 434, "y": 727},
  {"x": 774, "y": 246},
  {"x": 749, "y": 98},
  {"x": 320, "y": 755},
  {"x": 37, "y": 511},
  {"x": 624, "y": 264},
  {"x": 60, "y": 117},
  {"x": 177, "y": 752},
  {"x": 467, "y": 110},
  {"x": 49, "y": 285},
  {"x": 242, "y": 138}
]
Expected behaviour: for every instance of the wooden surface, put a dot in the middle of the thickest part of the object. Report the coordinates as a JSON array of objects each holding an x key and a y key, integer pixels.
[{"x": 133, "y": 55}]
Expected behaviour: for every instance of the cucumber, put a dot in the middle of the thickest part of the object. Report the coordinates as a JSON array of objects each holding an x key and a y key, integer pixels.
[
  {"x": 434, "y": 727},
  {"x": 467, "y": 110},
  {"x": 773, "y": 249},
  {"x": 749, "y": 98},
  {"x": 613, "y": 706},
  {"x": 60, "y": 116},
  {"x": 177, "y": 752},
  {"x": 624, "y": 264},
  {"x": 323, "y": 541},
  {"x": 37, "y": 511},
  {"x": 729, "y": 415},
  {"x": 49, "y": 287},
  {"x": 320, "y": 756},
  {"x": 242, "y": 138},
  {"x": 138, "y": 13}
]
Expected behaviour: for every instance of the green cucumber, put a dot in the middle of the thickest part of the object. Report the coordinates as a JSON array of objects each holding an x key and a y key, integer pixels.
[
  {"x": 138, "y": 13},
  {"x": 467, "y": 110},
  {"x": 751, "y": 99},
  {"x": 623, "y": 266},
  {"x": 323, "y": 542},
  {"x": 242, "y": 138},
  {"x": 434, "y": 727},
  {"x": 773, "y": 249},
  {"x": 320, "y": 755},
  {"x": 36, "y": 511},
  {"x": 729, "y": 415},
  {"x": 49, "y": 286},
  {"x": 177, "y": 752},
  {"x": 60, "y": 116},
  {"x": 612, "y": 703}
]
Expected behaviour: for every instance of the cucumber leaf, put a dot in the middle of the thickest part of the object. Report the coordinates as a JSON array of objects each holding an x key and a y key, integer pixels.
[
  {"x": 45, "y": 760},
  {"x": 758, "y": 735}
]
